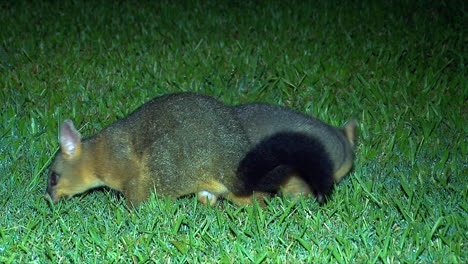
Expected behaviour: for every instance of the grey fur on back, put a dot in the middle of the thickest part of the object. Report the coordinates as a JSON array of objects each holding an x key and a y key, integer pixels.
[{"x": 180, "y": 137}]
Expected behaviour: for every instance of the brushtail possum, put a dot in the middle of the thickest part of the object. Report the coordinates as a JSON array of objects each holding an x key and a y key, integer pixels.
[{"x": 185, "y": 143}]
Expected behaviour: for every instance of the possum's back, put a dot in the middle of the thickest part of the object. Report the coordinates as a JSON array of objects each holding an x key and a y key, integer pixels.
[{"x": 184, "y": 138}]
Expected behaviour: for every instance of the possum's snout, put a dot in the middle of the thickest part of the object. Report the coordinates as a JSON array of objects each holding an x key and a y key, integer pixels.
[{"x": 50, "y": 196}]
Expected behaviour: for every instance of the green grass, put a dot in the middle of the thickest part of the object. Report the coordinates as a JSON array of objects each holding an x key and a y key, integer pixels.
[{"x": 398, "y": 67}]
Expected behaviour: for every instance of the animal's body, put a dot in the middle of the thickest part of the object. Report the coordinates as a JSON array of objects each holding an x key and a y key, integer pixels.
[{"x": 185, "y": 143}]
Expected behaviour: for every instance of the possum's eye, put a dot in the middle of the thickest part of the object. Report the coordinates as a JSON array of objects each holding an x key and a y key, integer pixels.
[{"x": 53, "y": 179}]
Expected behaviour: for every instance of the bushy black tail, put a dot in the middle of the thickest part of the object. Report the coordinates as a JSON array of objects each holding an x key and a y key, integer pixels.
[{"x": 266, "y": 166}]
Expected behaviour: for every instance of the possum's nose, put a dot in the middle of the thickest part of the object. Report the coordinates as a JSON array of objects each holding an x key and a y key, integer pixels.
[
  {"x": 51, "y": 197},
  {"x": 47, "y": 197}
]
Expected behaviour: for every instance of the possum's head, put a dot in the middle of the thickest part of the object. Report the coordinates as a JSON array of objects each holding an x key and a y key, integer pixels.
[{"x": 70, "y": 173}]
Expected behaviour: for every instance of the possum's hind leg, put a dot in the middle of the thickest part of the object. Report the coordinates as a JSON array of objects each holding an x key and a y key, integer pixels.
[
  {"x": 266, "y": 167},
  {"x": 294, "y": 186},
  {"x": 249, "y": 199},
  {"x": 206, "y": 197}
]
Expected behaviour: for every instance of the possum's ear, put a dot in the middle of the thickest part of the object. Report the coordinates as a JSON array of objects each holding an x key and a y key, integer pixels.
[
  {"x": 350, "y": 131},
  {"x": 70, "y": 139}
]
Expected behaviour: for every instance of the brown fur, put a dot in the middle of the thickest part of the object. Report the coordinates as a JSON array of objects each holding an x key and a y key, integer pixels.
[
  {"x": 174, "y": 145},
  {"x": 181, "y": 144}
]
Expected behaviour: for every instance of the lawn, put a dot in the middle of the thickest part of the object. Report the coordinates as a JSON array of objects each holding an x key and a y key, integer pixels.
[{"x": 395, "y": 66}]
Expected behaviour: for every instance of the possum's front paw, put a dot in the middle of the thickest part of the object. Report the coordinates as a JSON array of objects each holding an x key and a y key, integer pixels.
[{"x": 206, "y": 198}]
